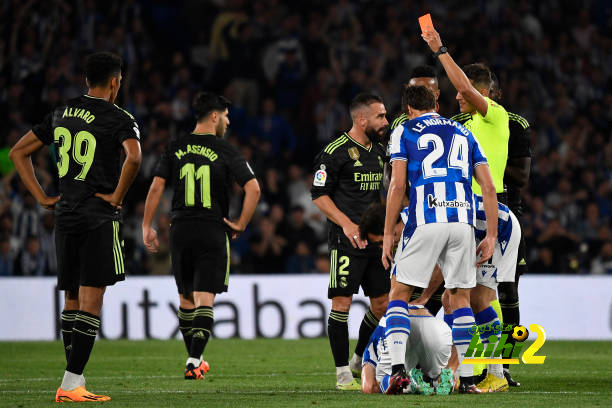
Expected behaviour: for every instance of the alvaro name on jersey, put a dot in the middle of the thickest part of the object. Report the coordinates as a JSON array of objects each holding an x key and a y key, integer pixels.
[{"x": 441, "y": 156}]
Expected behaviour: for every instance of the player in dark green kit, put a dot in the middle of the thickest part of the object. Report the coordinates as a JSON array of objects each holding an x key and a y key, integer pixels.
[
  {"x": 201, "y": 167},
  {"x": 89, "y": 133},
  {"x": 348, "y": 178}
]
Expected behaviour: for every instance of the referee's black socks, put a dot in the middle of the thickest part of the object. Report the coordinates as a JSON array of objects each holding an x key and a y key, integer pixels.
[
  {"x": 200, "y": 332},
  {"x": 84, "y": 332},
  {"x": 68, "y": 317},
  {"x": 337, "y": 330},
  {"x": 509, "y": 304},
  {"x": 368, "y": 325},
  {"x": 185, "y": 318}
]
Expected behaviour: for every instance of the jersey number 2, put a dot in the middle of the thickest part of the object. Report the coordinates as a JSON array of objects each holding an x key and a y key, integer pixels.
[
  {"x": 457, "y": 158},
  {"x": 83, "y": 151},
  {"x": 190, "y": 175}
]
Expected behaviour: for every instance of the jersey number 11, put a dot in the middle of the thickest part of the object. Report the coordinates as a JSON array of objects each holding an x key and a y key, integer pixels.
[{"x": 189, "y": 173}]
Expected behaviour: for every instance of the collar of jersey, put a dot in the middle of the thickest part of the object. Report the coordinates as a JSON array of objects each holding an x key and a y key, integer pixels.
[
  {"x": 202, "y": 134},
  {"x": 357, "y": 143},
  {"x": 428, "y": 114},
  {"x": 95, "y": 97}
]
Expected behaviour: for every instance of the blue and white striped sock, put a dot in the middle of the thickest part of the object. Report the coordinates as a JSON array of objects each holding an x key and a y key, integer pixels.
[
  {"x": 488, "y": 318},
  {"x": 397, "y": 330},
  {"x": 463, "y": 320},
  {"x": 384, "y": 384}
]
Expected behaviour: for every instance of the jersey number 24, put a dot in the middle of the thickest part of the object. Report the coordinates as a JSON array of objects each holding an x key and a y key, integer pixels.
[{"x": 457, "y": 158}]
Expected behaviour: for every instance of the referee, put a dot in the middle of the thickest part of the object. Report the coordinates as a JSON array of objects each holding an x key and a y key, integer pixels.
[
  {"x": 348, "y": 175},
  {"x": 201, "y": 166}
]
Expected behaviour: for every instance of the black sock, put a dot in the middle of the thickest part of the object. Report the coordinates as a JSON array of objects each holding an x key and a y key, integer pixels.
[
  {"x": 469, "y": 380},
  {"x": 434, "y": 304},
  {"x": 368, "y": 325},
  {"x": 337, "y": 330},
  {"x": 509, "y": 303},
  {"x": 68, "y": 317},
  {"x": 396, "y": 368},
  {"x": 202, "y": 326},
  {"x": 84, "y": 334},
  {"x": 185, "y": 318}
]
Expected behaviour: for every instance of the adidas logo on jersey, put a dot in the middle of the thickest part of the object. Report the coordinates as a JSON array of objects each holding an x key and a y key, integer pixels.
[{"x": 433, "y": 202}]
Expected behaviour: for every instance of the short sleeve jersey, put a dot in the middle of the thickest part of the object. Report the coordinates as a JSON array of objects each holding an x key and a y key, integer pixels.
[
  {"x": 504, "y": 223},
  {"x": 87, "y": 134},
  {"x": 519, "y": 146},
  {"x": 441, "y": 156},
  {"x": 492, "y": 133},
  {"x": 350, "y": 174},
  {"x": 201, "y": 168}
]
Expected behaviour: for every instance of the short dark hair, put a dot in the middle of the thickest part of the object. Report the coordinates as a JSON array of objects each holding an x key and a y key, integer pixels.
[
  {"x": 363, "y": 99},
  {"x": 480, "y": 74},
  {"x": 100, "y": 67},
  {"x": 372, "y": 220},
  {"x": 419, "y": 97},
  {"x": 495, "y": 92},
  {"x": 423, "y": 71},
  {"x": 207, "y": 102}
]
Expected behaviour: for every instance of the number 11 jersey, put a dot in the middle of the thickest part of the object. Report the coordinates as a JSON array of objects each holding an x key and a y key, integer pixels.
[
  {"x": 87, "y": 134},
  {"x": 441, "y": 156},
  {"x": 201, "y": 168}
]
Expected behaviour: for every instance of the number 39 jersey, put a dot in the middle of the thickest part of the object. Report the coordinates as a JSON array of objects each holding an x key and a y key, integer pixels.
[
  {"x": 87, "y": 134},
  {"x": 441, "y": 156},
  {"x": 201, "y": 168}
]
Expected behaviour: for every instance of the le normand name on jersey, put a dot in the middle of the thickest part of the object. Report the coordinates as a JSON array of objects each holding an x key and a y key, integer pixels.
[{"x": 207, "y": 152}]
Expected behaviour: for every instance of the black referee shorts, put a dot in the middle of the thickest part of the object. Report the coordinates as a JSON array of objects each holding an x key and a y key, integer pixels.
[
  {"x": 200, "y": 256},
  {"x": 351, "y": 268},
  {"x": 91, "y": 258}
]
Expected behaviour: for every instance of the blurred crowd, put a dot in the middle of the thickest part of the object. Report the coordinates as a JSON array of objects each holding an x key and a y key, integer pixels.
[{"x": 290, "y": 69}]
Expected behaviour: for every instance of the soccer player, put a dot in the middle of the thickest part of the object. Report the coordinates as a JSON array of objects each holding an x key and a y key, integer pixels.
[
  {"x": 438, "y": 158},
  {"x": 88, "y": 134},
  {"x": 347, "y": 180},
  {"x": 429, "y": 346},
  {"x": 200, "y": 166}
]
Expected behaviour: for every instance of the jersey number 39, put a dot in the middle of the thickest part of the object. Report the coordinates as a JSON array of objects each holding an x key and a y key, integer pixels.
[
  {"x": 457, "y": 158},
  {"x": 83, "y": 151}
]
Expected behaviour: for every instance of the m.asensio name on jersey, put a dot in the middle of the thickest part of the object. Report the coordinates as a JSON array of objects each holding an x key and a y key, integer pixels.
[
  {"x": 434, "y": 202},
  {"x": 368, "y": 181},
  {"x": 197, "y": 149}
]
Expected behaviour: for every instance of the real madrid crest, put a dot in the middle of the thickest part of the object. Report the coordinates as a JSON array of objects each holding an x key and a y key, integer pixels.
[{"x": 354, "y": 154}]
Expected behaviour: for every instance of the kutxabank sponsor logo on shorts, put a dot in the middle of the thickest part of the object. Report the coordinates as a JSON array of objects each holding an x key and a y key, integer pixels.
[
  {"x": 434, "y": 202},
  {"x": 500, "y": 352}
]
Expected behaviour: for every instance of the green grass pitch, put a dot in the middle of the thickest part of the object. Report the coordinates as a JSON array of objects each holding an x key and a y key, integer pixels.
[{"x": 269, "y": 373}]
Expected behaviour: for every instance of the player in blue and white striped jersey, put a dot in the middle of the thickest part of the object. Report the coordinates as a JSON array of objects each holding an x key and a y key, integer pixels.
[{"x": 438, "y": 157}]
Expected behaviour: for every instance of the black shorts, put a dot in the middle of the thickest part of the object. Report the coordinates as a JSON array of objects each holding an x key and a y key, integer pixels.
[
  {"x": 200, "y": 256},
  {"x": 521, "y": 262},
  {"x": 350, "y": 268},
  {"x": 91, "y": 258}
]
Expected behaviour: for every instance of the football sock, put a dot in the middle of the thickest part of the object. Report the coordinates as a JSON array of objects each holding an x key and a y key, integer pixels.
[
  {"x": 384, "y": 384},
  {"x": 344, "y": 375},
  {"x": 68, "y": 317},
  {"x": 397, "y": 332},
  {"x": 337, "y": 330},
  {"x": 84, "y": 332},
  {"x": 509, "y": 302},
  {"x": 463, "y": 320},
  {"x": 489, "y": 325},
  {"x": 368, "y": 325},
  {"x": 71, "y": 381},
  {"x": 448, "y": 319},
  {"x": 185, "y": 318},
  {"x": 200, "y": 332}
]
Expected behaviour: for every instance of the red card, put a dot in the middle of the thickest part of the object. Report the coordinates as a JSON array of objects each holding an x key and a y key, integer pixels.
[{"x": 425, "y": 22}]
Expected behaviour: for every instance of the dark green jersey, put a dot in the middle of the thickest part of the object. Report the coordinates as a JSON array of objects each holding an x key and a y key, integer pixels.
[
  {"x": 201, "y": 169},
  {"x": 88, "y": 133},
  {"x": 350, "y": 175}
]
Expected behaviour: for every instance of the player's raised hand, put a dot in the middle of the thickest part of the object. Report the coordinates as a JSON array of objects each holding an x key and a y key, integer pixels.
[
  {"x": 149, "y": 237},
  {"x": 485, "y": 250},
  {"x": 387, "y": 251},
  {"x": 352, "y": 233},
  {"x": 432, "y": 38},
  {"x": 49, "y": 202},
  {"x": 235, "y": 226},
  {"x": 109, "y": 198}
]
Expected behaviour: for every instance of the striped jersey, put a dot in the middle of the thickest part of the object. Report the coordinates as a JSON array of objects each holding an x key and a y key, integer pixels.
[
  {"x": 441, "y": 156},
  {"x": 504, "y": 223}
]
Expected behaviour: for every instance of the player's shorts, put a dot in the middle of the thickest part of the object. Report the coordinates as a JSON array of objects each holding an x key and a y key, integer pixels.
[
  {"x": 91, "y": 258},
  {"x": 502, "y": 266},
  {"x": 200, "y": 256},
  {"x": 521, "y": 265},
  {"x": 449, "y": 244},
  {"x": 429, "y": 345},
  {"x": 350, "y": 268}
]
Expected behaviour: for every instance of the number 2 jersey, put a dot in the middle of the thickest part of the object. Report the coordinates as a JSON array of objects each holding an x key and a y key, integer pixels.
[
  {"x": 441, "y": 155},
  {"x": 201, "y": 168},
  {"x": 87, "y": 134}
]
